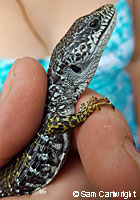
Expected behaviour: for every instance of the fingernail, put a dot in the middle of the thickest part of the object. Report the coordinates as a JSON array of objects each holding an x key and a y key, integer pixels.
[
  {"x": 131, "y": 150},
  {"x": 41, "y": 191},
  {"x": 8, "y": 85}
]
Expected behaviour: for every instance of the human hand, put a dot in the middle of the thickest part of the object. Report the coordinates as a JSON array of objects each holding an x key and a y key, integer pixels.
[{"x": 102, "y": 155}]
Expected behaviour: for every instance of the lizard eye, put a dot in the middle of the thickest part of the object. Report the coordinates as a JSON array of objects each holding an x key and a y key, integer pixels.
[
  {"x": 95, "y": 24},
  {"x": 75, "y": 68}
]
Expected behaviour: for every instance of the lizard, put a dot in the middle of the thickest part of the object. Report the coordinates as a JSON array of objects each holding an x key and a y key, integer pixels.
[{"x": 72, "y": 66}]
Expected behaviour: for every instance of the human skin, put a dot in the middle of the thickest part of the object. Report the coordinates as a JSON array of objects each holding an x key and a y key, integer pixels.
[
  {"x": 102, "y": 155},
  {"x": 50, "y": 20}
]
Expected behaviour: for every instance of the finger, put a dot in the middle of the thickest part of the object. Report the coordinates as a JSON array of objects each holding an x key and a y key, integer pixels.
[
  {"x": 107, "y": 151},
  {"x": 21, "y": 106}
]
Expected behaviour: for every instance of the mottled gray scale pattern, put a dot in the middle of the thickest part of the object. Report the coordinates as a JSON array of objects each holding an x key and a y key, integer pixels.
[{"x": 72, "y": 66}]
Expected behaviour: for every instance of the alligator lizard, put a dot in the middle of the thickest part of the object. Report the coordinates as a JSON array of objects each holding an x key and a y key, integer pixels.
[{"x": 72, "y": 66}]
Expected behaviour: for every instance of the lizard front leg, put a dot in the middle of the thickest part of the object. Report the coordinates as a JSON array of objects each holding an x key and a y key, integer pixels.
[{"x": 60, "y": 124}]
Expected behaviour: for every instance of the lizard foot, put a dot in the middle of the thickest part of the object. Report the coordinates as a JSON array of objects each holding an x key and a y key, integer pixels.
[{"x": 95, "y": 103}]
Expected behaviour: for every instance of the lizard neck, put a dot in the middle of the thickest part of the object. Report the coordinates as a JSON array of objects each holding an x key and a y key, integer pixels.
[{"x": 60, "y": 99}]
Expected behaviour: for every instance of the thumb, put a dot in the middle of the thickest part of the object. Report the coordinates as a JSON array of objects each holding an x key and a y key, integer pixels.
[{"x": 21, "y": 106}]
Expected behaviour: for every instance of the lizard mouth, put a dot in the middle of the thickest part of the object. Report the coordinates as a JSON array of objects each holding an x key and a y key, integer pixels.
[
  {"x": 106, "y": 33},
  {"x": 107, "y": 27}
]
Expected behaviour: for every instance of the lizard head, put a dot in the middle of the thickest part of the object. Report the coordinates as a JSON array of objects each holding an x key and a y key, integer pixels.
[{"x": 76, "y": 57}]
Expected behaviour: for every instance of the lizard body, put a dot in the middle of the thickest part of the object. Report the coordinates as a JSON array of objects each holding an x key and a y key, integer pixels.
[{"x": 72, "y": 66}]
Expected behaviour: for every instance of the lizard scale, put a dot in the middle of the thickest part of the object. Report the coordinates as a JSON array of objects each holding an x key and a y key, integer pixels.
[{"x": 72, "y": 66}]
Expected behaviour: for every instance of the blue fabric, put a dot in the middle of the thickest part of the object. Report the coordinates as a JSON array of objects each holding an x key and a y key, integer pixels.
[{"x": 111, "y": 79}]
